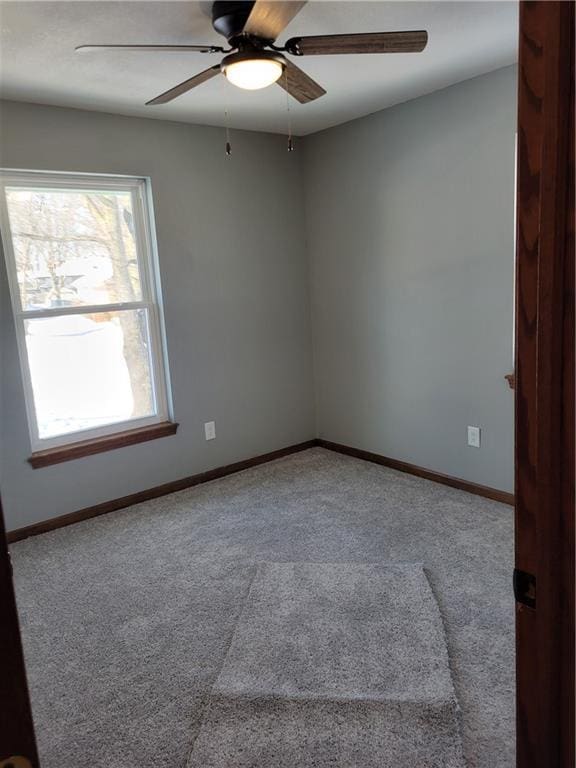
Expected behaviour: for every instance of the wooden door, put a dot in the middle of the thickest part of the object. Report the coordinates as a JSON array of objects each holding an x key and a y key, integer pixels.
[
  {"x": 17, "y": 740},
  {"x": 545, "y": 388}
]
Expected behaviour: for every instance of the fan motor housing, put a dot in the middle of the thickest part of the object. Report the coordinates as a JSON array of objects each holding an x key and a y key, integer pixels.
[{"x": 229, "y": 17}]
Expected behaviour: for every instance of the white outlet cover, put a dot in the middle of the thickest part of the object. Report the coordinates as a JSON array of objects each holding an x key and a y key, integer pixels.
[
  {"x": 210, "y": 430},
  {"x": 474, "y": 437}
]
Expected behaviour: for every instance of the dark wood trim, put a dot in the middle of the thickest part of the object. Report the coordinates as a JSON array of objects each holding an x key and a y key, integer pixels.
[
  {"x": 568, "y": 554},
  {"x": 544, "y": 394},
  {"x": 427, "y": 474},
  {"x": 16, "y": 726},
  {"x": 214, "y": 474},
  {"x": 83, "y": 448},
  {"x": 152, "y": 493}
]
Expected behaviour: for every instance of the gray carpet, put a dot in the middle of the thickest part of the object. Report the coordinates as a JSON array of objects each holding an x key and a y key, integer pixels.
[
  {"x": 334, "y": 666},
  {"x": 127, "y": 618}
]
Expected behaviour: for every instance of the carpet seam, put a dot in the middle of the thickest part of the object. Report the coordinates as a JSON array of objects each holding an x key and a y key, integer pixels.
[
  {"x": 459, "y": 715},
  {"x": 255, "y": 567}
]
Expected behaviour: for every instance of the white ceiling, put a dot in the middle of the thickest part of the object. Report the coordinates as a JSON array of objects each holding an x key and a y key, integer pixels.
[{"x": 38, "y": 63}]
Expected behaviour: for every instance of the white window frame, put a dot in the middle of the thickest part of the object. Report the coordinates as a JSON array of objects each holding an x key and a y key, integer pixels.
[{"x": 147, "y": 256}]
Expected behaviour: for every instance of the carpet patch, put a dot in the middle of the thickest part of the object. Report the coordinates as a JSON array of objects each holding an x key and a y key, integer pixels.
[{"x": 339, "y": 665}]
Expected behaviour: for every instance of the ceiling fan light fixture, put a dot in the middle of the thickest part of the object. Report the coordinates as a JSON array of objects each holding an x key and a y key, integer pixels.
[{"x": 253, "y": 71}]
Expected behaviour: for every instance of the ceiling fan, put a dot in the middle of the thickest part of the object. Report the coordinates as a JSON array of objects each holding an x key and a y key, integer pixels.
[{"x": 253, "y": 61}]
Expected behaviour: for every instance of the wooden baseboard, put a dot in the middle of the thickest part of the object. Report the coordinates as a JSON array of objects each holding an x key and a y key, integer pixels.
[
  {"x": 152, "y": 493},
  {"x": 427, "y": 474},
  {"x": 213, "y": 474}
]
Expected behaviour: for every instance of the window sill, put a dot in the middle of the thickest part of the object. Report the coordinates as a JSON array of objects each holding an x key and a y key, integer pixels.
[{"x": 101, "y": 444}]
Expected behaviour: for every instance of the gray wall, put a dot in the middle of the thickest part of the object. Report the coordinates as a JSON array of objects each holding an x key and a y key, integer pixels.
[
  {"x": 409, "y": 234},
  {"x": 410, "y": 227},
  {"x": 235, "y": 277}
]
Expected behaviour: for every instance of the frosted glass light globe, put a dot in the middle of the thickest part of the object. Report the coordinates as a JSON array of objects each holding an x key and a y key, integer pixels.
[{"x": 253, "y": 74}]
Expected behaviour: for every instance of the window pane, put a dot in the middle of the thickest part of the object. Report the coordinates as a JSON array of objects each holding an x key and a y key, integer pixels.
[
  {"x": 90, "y": 370},
  {"x": 73, "y": 247}
]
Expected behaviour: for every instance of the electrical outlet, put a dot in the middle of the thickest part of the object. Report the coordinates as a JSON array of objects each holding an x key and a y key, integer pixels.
[
  {"x": 210, "y": 430},
  {"x": 474, "y": 437}
]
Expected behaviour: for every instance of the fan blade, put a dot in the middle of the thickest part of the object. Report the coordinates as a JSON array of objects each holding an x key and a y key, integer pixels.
[
  {"x": 187, "y": 85},
  {"x": 299, "y": 84},
  {"x": 269, "y": 17},
  {"x": 371, "y": 42},
  {"x": 148, "y": 48}
]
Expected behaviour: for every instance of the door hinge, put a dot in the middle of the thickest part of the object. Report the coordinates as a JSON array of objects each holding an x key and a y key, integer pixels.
[{"x": 525, "y": 588}]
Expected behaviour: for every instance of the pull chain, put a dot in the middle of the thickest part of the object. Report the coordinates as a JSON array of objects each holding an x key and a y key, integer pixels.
[
  {"x": 289, "y": 116},
  {"x": 227, "y": 121}
]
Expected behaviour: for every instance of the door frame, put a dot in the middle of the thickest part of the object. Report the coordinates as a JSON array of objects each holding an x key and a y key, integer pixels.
[
  {"x": 544, "y": 396},
  {"x": 17, "y": 737}
]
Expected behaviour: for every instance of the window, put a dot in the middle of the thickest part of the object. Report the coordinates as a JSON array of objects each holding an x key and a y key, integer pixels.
[{"x": 86, "y": 304}]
